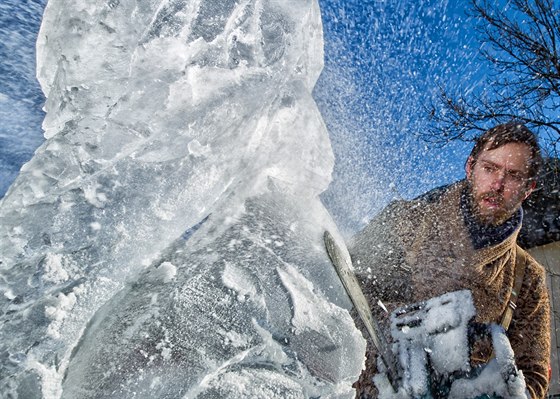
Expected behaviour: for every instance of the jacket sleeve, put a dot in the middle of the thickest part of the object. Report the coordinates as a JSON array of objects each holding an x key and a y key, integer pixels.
[
  {"x": 529, "y": 333},
  {"x": 378, "y": 254}
]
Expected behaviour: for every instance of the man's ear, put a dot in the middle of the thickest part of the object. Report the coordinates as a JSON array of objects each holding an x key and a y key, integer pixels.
[
  {"x": 468, "y": 166},
  {"x": 530, "y": 189}
]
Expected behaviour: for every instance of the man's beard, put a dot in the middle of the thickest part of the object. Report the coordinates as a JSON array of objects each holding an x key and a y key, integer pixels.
[{"x": 489, "y": 217}]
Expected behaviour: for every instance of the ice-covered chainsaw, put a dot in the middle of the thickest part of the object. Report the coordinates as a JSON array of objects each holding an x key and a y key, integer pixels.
[{"x": 429, "y": 356}]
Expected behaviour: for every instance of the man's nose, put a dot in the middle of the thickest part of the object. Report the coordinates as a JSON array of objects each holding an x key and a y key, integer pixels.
[{"x": 498, "y": 180}]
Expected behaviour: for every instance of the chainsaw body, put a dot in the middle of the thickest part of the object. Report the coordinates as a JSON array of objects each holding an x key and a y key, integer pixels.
[{"x": 432, "y": 342}]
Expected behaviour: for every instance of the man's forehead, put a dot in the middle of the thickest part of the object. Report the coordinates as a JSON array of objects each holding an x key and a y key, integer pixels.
[{"x": 513, "y": 156}]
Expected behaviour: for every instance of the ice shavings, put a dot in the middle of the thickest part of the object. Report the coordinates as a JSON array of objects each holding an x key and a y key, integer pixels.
[
  {"x": 269, "y": 351},
  {"x": 49, "y": 376},
  {"x": 54, "y": 268},
  {"x": 93, "y": 196},
  {"x": 165, "y": 346},
  {"x": 308, "y": 310},
  {"x": 256, "y": 384},
  {"x": 385, "y": 389},
  {"x": 235, "y": 339},
  {"x": 432, "y": 337},
  {"x": 58, "y": 313},
  {"x": 447, "y": 324},
  {"x": 239, "y": 281},
  {"x": 489, "y": 382},
  {"x": 382, "y": 306},
  {"x": 313, "y": 320},
  {"x": 499, "y": 377},
  {"x": 198, "y": 150},
  {"x": 165, "y": 272}
]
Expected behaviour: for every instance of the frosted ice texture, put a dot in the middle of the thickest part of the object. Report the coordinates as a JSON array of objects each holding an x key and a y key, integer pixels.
[{"x": 161, "y": 114}]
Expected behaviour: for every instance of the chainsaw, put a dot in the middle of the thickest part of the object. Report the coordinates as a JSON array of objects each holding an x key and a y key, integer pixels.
[{"x": 429, "y": 352}]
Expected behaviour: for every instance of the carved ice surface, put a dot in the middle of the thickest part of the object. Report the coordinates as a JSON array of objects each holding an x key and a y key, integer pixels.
[{"x": 160, "y": 115}]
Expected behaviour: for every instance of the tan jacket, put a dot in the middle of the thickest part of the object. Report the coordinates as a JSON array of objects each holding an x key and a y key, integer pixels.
[{"x": 429, "y": 238}]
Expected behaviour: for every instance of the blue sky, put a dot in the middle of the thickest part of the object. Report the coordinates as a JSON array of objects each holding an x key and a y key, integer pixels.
[
  {"x": 20, "y": 96},
  {"x": 384, "y": 64},
  {"x": 384, "y": 61}
]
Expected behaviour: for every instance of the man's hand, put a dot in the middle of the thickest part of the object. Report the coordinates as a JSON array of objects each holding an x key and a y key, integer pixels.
[{"x": 499, "y": 377}]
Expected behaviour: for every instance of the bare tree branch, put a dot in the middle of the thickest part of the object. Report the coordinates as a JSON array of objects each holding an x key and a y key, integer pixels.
[{"x": 521, "y": 42}]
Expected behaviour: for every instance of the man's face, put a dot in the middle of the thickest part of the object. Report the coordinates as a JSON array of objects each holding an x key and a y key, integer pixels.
[{"x": 499, "y": 182}]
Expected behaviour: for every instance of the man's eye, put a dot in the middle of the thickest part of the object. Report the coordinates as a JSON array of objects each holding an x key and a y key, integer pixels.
[{"x": 516, "y": 176}]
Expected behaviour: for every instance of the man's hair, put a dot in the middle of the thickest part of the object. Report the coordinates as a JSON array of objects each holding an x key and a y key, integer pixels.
[{"x": 511, "y": 132}]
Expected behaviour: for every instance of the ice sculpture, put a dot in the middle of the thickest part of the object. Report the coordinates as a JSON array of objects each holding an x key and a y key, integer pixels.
[{"x": 164, "y": 115}]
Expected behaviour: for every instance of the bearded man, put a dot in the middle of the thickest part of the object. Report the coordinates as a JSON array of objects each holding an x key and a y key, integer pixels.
[{"x": 463, "y": 236}]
